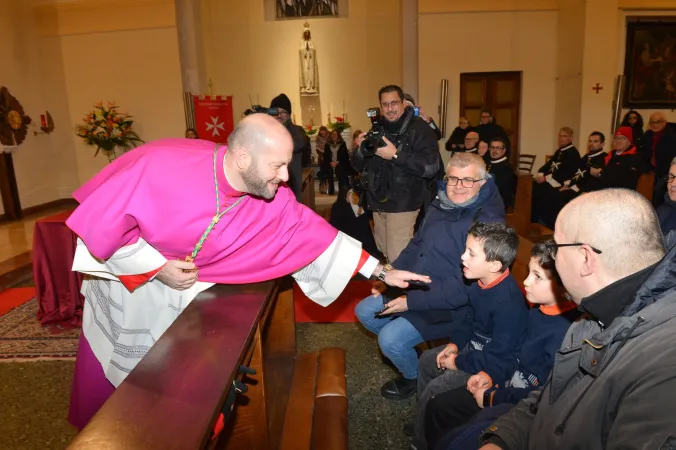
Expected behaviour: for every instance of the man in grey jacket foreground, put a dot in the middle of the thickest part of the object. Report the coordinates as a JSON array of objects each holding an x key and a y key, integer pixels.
[{"x": 613, "y": 384}]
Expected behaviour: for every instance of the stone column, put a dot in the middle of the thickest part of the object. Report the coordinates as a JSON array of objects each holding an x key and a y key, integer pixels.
[
  {"x": 191, "y": 46},
  {"x": 409, "y": 35},
  {"x": 570, "y": 52}
]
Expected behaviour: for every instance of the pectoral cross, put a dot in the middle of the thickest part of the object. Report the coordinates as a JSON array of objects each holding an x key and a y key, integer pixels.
[
  {"x": 578, "y": 174},
  {"x": 555, "y": 166}
]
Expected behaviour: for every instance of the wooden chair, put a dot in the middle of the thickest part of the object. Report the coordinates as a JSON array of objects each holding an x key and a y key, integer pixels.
[
  {"x": 526, "y": 163},
  {"x": 520, "y": 218},
  {"x": 644, "y": 185}
]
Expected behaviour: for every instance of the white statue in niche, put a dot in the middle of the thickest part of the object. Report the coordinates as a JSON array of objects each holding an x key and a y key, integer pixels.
[{"x": 309, "y": 74}]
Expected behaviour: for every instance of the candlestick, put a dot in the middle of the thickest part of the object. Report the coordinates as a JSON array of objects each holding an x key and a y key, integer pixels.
[{"x": 343, "y": 106}]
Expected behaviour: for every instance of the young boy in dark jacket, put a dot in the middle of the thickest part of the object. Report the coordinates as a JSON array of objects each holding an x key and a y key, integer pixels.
[
  {"x": 455, "y": 419},
  {"x": 493, "y": 329}
]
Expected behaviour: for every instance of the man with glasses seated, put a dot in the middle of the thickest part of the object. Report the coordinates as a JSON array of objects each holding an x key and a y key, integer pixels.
[
  {"x": 502, "y": 171},
  {"x": 408, "y": 318},
  {"x": 613, "y": 380},
  {"x": 301, "y": 144},
  {"x": 659, "y": 149}
]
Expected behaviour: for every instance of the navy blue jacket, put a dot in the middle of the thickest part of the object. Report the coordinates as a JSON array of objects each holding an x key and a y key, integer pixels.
[
  {"x": 435, "y": 251},
  {"x": 496, "y": 323},
  {"x": 666, "y": 213},
  {"x": 536, "y": 357}
]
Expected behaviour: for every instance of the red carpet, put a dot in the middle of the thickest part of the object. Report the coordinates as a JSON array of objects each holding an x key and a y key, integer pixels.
[
  {"x": 13, "y": 297},
  {"x": 342, "y": 310}
]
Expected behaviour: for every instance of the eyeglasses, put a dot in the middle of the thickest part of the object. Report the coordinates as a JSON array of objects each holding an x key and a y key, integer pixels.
[
  {"x": 471, "y": 138},
  {"x": 464, "y": 182},
  {"x": 553, "y": 247},
  {"x": 656, "y": 122},
  {"x": 464, "y": 123},
  {"x": 670, "y": 178},
  {"x": 494, "y": 147},
  {"x": 391, "y": 104}
]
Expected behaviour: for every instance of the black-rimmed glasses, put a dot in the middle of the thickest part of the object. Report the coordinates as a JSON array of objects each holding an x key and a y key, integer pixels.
[
  {"x": 670, "y": 178},
  {"x": 553, "y": 247},
  {"x": 464, "y": 182}
]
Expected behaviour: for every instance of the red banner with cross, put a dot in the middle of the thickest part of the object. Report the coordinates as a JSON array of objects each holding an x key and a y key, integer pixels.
[{"x": 213, "y": 117}]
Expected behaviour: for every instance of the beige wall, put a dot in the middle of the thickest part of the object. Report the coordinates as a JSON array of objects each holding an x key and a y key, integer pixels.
[
  {"x": 144, "y": 79},
  {"x": 454, "y": 43},
  {"x": 44, "y": 167},
  {"x": 247, "y": 55}
]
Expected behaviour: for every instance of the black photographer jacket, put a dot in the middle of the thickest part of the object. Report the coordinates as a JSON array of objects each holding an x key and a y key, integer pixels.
[{"x": 405, "y": 178}]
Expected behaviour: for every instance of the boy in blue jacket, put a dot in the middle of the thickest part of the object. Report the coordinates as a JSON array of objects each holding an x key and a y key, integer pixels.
[
  {"x": 455, "y": 419},
  {"x": 494, "y": 327}
]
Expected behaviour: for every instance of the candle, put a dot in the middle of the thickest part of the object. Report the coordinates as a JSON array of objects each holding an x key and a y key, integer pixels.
[
  {"x": 43, "y": 121},
  {"x": 343, "y": 106}
]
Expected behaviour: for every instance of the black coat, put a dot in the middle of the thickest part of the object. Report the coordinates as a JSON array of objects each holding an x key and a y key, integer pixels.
[
  {"x": 621, "y": 171},
  {"x": 563, "y": 164},
  {"x": 596, "y": 160},
  {"x": 344, "y": 169},
  {"x": 505, "y": 179},
  {"x": 458, "y": 139},
  {"x": 491, "y": 130},
  {"x": 401, "y": 184},
  {"x": 665, "y": 151}
]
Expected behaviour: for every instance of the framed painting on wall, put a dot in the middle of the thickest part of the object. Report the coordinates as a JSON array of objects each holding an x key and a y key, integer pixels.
[
  {"x": 293, "y": 9},
  {"x": 650, "y": 64}
]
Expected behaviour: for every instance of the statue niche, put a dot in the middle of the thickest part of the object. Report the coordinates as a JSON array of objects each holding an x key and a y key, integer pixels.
[{"x": 309, "y": 74}]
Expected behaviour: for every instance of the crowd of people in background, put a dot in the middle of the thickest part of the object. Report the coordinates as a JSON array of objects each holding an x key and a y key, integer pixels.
[{"x": 596, "y": 306}]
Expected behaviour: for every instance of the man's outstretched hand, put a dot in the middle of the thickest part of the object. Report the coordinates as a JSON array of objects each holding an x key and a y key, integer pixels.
[
  {"x": 400, "y": 278},
  {"x": 179, "y": 275}
]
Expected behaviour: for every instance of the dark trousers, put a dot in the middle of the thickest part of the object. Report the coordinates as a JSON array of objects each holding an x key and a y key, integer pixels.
[
  {"x": 547, "y": 203},
  {"x": 447, "y": 411}
]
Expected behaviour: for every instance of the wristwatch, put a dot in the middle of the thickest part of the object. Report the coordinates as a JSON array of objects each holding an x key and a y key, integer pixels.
[{"x": 384, "y": 271}]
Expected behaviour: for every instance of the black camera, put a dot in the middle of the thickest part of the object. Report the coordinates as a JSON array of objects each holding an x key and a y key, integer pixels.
[
  {"x": 261, "y": 109},
  {"x": 374, "y": 138}
]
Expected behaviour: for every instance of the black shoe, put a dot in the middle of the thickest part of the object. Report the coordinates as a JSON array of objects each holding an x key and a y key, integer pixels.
[
  {"x": 399, "y": 388},
  {"x": 408, "y": 428}
]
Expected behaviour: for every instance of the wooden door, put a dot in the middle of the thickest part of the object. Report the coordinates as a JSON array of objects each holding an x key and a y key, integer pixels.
[{"x": 501, "y": 93}]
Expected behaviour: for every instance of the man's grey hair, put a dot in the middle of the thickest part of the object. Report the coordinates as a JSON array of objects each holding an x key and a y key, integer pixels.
[
  {"x": 673, "y": 162},
  {"x": 621, "y": 223},
  {"x": 462, "y": 160}
]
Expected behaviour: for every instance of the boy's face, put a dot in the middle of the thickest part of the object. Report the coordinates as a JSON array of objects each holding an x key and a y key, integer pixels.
[
  {"x": 474, "y": 261},
  {"x": 540, "y": 287}
]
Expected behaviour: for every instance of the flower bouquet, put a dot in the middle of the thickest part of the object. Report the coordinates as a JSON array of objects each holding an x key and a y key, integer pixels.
[
  {"x": 340, "y": 124},
  {"x": 310, "y": 130},
  {"x": 107, "y": 128}
]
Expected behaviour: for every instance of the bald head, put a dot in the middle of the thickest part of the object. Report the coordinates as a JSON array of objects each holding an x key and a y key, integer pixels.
[
  {"x": 619, "y": 222},
  {"x": 657, "y": 122},
  {"x": 259, "y": 133},
  {"x": 259, "y": 152}
]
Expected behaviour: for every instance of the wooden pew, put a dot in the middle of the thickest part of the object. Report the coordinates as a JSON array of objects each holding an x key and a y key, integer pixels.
[
  {"x": 174, "y": 396},
  {"x": 308, "y": 188}
]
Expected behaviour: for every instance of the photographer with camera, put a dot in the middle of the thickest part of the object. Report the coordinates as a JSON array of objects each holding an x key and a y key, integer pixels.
[
  {"x": 396, "y": 159},
  {"x": 301, "y": 143}
]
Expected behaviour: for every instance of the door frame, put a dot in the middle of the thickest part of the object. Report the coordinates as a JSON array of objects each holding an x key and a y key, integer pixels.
[{"x": 490, "y": 103}]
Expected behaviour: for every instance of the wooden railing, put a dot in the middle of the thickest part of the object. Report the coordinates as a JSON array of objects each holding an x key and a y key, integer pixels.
[{"x": 172, "y": 399}]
